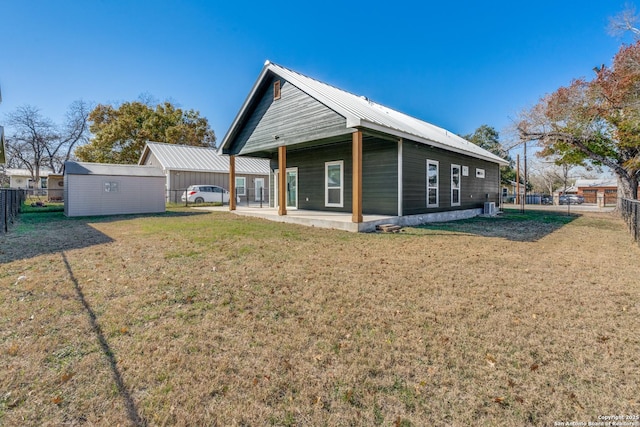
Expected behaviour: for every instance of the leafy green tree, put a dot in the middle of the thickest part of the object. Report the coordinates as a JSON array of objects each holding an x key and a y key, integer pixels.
[
  {"x": 121, "y": 133},
  {"x": 594, "y": 122},
  {"x": 489, "y": 139}
]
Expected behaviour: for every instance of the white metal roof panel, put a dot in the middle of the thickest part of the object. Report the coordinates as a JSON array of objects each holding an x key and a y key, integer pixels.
[
  {"x": 603, "y": 182},
  {"x": 82, "y": 168},
  {"x": 190, "y": 158},
  {"x": 362, "y": 112}
]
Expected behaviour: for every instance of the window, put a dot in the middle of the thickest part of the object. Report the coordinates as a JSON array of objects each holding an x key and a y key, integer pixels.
[
  {"x": 479, "y": 173},
  {"x": 276, "y": 90},
  {"x": 111, "y": 187},
  {"x": 334, "y": 188},
  {"x": 432, "y": 183},
  {"x": 241, "y": 186},
  {"x": 455, "y": 185}
]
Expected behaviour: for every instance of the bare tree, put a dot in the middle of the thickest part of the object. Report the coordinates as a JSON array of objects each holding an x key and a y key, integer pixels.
[
  {"x": 36, "y": 142},
  {"x": 32, "y": 139},
  {"x": 625, "y": 21},
  {"x": 74, "y": 132},
  {"x": 545, "y": 176}
]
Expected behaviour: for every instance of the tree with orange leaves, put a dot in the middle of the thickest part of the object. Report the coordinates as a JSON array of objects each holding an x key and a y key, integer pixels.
[{"x": 594, "y": 121}]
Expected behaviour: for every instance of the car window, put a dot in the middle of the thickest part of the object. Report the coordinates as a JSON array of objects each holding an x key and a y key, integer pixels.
[{"x": 217, "y": 190}]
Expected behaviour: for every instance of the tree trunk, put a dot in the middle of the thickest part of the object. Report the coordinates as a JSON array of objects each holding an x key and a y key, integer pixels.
[{"x": 627, "y": 189}]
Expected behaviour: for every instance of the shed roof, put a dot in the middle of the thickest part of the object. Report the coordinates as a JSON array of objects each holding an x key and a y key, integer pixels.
[
  {"x": 81, "y": 168},
  {"x": 190, "y": 158},
  {"x": 360, "y": 112}
]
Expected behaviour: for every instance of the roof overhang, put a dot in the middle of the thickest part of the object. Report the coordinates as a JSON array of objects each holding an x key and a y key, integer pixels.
[
  {"x": 353, "y": 121},
  {"x": 428, "y": 142}
]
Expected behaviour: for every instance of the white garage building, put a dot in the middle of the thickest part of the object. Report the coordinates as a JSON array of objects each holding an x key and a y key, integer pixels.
[{"x": 107, "y": 189}]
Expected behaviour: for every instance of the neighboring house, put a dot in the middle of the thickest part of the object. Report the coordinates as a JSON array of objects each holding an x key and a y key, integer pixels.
[
  {"x": 21, "y": 178},
  {"x": 51, "y": 184},
  {"x": 109, "y": 189},
  {"x": 341, "y": 152},
  {"x": 186, "y": 165},
  {"x": 591, "y": 189}
]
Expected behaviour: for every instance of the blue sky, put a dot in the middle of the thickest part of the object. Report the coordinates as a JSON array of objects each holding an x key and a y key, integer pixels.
[{"x": 454, "y": 64}]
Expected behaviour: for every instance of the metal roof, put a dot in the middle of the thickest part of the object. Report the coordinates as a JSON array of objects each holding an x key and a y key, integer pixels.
[
  {"x": 26, "y": 172},
  {"x": 190, "y": 158},
  {"x": 602, "y": 182},
  {"x": 360, "y": 112},
  {"x": 81, "y": 168}
]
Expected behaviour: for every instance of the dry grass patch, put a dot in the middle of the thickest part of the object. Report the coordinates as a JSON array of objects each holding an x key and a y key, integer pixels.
[{"x": 214, "y": 319}]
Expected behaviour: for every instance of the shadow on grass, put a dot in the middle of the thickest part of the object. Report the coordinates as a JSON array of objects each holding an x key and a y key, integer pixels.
[
  {"x": 513, "y": 225},
  {"x": 130, "y": 405},
  {"x": 41, "y": 233}
]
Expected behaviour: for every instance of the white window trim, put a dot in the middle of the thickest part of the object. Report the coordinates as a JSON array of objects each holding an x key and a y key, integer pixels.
[
  {"x": 326, "y": 184},
  {"x": 244, "y": 185},
  {"x": 437, "y": 187},
  {"x": 459, "y": 185}
]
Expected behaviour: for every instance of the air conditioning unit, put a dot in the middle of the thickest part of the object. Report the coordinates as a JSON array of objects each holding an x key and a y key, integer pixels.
[{"x": 489, "y": 208}]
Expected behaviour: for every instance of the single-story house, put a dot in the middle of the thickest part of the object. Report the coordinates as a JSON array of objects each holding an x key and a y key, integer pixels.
[
  {"x": 592, "y": 189},
  {"x": 22, "y": 178},
  {"x": 110, "y": 189},
  {"x": 185, "y": 165},
  {"x": 340, "y": 152}
]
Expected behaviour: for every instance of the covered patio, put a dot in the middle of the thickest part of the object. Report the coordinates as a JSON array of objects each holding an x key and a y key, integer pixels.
[
  {"x": 342, "y": 220},
  {"x": 333, "y": 220}
]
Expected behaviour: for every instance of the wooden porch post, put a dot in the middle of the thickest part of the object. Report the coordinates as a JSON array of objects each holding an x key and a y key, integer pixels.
[
  {"x": 356, "y": 210},
  {"x": 232, "y": 183},
  {"x": 282, "y": 180}
]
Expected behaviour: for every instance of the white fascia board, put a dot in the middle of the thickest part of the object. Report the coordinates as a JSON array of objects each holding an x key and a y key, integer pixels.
[
  {"x": 353, "y": 122},
  {"x": 411, "y": 137}
]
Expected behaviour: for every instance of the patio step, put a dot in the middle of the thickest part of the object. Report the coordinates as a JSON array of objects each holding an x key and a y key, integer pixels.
[{"x": 388, "y": 228}]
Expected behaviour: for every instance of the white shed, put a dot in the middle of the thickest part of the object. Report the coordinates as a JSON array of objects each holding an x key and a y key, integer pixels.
[{"x": 109, "y": 189}]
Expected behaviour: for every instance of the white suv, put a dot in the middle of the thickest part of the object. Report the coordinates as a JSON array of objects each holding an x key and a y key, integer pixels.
[{"x": 205, "y": 193}]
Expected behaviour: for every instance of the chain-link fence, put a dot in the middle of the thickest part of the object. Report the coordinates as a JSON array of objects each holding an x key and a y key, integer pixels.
[
  {"x": 212, "y": 194},
  {"x": 10, "y": 202}
]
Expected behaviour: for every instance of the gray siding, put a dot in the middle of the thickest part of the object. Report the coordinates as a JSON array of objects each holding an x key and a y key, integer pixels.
[
  {"x": 379, "y": 176},
  {"x": 473, "y": 192},
  {"x": 379, "y": 181},
  {"x": 180, "y": 180},
  {"x": 294, "y": 118}
]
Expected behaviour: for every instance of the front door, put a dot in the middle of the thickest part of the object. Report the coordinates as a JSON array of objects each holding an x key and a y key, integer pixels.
[
  {"x": 258, "y": 186},
  {"x": 292, "y": 188}
]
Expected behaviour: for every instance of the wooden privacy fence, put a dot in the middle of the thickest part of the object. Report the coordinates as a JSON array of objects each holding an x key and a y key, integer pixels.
[
  {"x": 10, "y": 202},
  {"x": 631, "y": 214}
]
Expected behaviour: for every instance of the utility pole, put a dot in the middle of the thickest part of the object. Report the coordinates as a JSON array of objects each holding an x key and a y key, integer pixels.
[
  {"x": 517, "y": 179},
  {"x": 525, "y": 176},
  {"x": 3, "y": 156}
]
